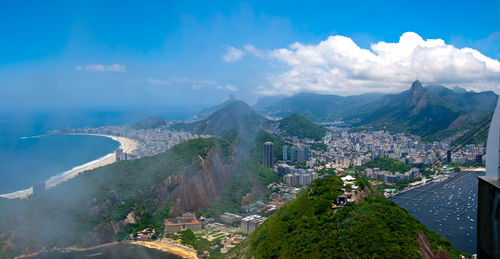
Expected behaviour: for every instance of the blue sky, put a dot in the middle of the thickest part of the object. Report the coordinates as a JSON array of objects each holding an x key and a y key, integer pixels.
[{"x": 109, "y": 53}]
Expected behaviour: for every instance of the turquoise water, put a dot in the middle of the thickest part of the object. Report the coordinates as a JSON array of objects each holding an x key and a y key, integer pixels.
[{"x": 24, "y": 162}]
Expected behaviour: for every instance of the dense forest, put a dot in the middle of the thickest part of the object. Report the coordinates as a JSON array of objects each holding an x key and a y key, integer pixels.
[
  {"x": 308, "y": 228},
  {"x": 299, "y": 126},
  {"x": 386, "y": 164}
]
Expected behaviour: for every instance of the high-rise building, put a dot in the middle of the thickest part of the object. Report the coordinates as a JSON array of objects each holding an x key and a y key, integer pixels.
[
  {"x": 293, "y": 154},
  {"x": 118, "y": 154},
  {"x": 285, "y": 152},
  {"x": 268, "y": 156},
  {"x": 301, "y": 154},
  {"x": 307, "y": 152},
  {"x": 250, "y": 223}
]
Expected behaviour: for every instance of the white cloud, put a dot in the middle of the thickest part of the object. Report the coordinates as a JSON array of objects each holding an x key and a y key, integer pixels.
[
  {"x": 103, "y": 68},
  {"x": 227, "y": 87},
  {"x": 155, "y": 81},
  {"x": 183, "y": 81},
  {"x": 338, "y": 65},
  {"x": 233, "y": 54}
]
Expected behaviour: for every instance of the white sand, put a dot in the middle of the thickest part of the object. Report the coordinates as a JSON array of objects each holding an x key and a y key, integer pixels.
[{"x": 128, "y": 146}]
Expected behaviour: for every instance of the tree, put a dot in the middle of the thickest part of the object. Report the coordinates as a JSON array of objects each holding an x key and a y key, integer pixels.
[{"x": 188, "y": 237}]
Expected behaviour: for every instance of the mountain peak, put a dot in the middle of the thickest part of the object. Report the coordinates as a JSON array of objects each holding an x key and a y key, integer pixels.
[
  {"x": 458, "y": 89},
  {"x": 416, "y": 91},
  {"x": 416, "y": 85}
]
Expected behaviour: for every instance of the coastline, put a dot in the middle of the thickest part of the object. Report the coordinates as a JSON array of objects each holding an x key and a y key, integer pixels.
[
  {"x": 164, "y": 245},
  {"x": 128, "y": 146},
  {"x": 432, "y": 180},
  {"x": 169, "y": 246},
  {"x": 71, "y": 248}
]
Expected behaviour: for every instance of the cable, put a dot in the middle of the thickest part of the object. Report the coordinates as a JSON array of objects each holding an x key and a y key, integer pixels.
[
  {"x": 342, "y": 243},
  {"x": 469, "y": 138}
]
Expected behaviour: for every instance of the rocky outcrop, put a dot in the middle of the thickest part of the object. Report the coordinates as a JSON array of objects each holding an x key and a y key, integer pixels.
[
  {"x": 195, "y": 192},
  {"x": 426, "y": 249},
  {"x": 366, "y": 192},
  {"x": 415, "y": 93},
  {"x": 458, "y": 122}
]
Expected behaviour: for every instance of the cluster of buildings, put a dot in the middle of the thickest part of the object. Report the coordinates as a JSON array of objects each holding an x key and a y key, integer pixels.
[
  {"x": 151, "y": 141},
  {"x": 297, "y": 153},
  {"x": 187, "y": 221},
  {"x": 145, "y": 234},
  {"x": 349, "y": 192},
  {"x": 250, "y": 223},
  {"x": 121, "y": 156},
  {"x": 347, "y": 149},
  {"x": 300, "y": 177},
  {"x": 388, "y": 177},
  {"x": 231, "y": 242}
]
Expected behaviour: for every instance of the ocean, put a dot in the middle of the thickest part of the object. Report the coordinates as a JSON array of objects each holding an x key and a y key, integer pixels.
[
  {"x": 118, "y": 251},
  {"x": 26, "y": 161},
  {"x": 449, "y": 208}
]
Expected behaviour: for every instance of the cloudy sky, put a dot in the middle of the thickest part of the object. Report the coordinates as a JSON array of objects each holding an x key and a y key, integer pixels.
[{"x": 133, "y": 53}]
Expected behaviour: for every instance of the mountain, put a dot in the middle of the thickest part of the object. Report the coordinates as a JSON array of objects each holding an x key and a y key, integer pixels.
[
  {"x": 372, "y": 227},
  {"x": 209, "y": 111},
  {"x": 458, "y": 89},
  {"x": 298, "y": 125},
  {"x": 318, "y": 107},
  {"x": 427, "y": 112},
  {"x": 241, "y": 125},
  {"x": 234, "y": 117},
  {"x": 150, "y": 123},
  {"x": 106, "y": 204},
  {"x": 432, "y": 112}
]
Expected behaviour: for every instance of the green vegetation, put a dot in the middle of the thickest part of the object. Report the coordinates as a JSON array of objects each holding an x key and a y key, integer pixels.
[
  {"x": 387, "y": 164},
  {"x": 307, "y": 228},
  {"x": 188, "y": 237},
  {"x": 86, "y": 210},
  {"x": 298, "y": 125},
  {"x": 200, "y": 244},
  {"x": 319, "y": 146}
]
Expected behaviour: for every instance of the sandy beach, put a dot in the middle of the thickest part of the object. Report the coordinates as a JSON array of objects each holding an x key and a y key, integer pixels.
[
  {"x": 128, "y": 146},
  {"x": 169, "y": 246}
]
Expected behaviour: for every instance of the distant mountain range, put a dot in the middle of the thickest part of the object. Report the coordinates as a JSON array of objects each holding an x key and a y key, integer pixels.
[
  {"x": 316, "y": 107},
  {"x": 432, "y": 112}
]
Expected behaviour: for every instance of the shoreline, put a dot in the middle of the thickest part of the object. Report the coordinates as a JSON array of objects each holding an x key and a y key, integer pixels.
[
  {"x": 448, "y": 177},
  {"x": 163, "y": 245},
  {"x": 128, "y": 145},
  {"x": 168, "y": 246}
]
